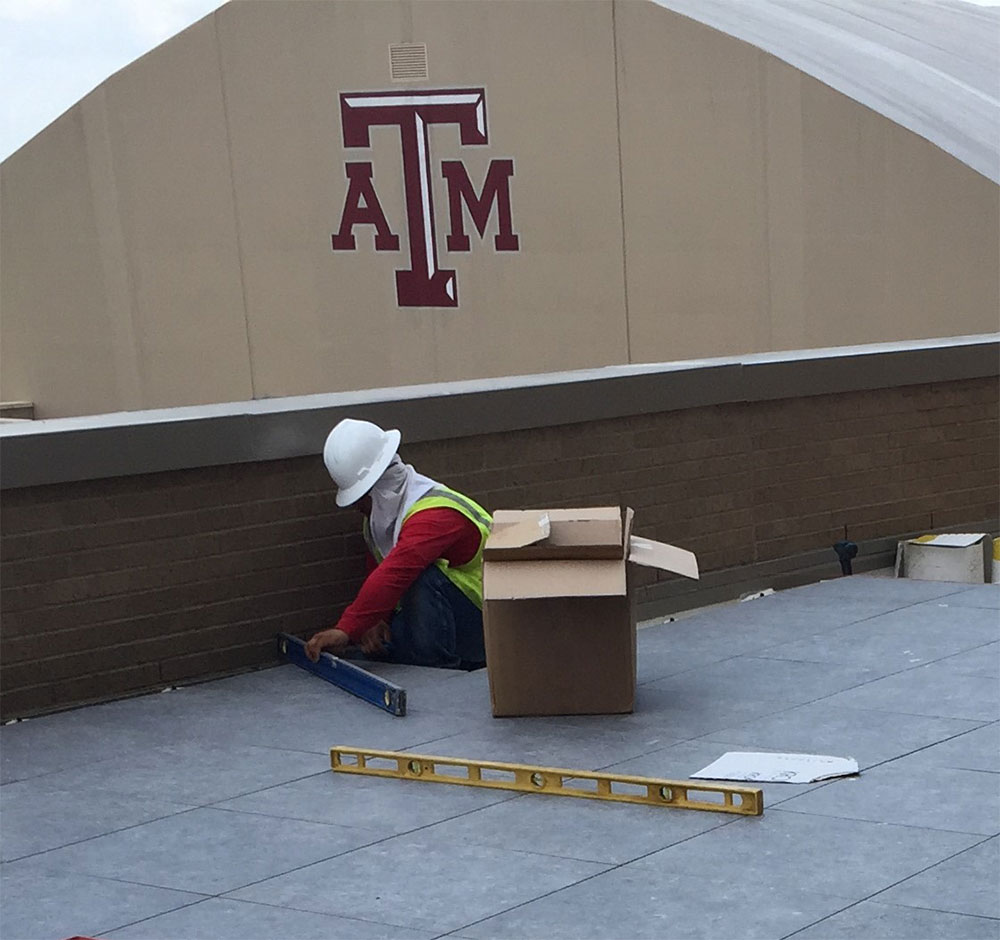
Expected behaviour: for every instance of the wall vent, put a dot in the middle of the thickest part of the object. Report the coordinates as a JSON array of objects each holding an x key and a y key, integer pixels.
[{"x": 408, "y": 62}]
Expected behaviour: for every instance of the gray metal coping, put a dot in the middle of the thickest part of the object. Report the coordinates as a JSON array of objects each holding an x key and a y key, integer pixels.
[
  {"x": 59, "y": 450},
  {"x": 932, "y": 66}
]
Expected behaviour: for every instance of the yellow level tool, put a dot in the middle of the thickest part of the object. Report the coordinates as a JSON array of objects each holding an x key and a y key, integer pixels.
[{"x": 680, "y": 794}]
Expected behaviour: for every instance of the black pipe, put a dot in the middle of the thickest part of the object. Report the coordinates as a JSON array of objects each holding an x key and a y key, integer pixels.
[{"x": 845, "y": 552}]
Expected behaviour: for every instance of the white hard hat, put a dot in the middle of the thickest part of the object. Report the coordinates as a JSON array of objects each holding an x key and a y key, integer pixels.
[{"x": 356, "y": 454}]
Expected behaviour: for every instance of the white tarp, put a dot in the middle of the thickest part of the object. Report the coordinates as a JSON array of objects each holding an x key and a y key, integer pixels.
[
  {"x": 951, "y": 540},
  {"x": 929, "y": 65}
]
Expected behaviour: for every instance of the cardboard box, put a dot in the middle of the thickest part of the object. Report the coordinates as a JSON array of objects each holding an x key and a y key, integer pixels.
[
  {"x": 959, "y": 556},
  {"x": 559, "y": 611}
]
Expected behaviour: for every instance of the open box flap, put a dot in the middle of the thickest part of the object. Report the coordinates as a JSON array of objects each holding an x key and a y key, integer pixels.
[
  {"x": 572, "y": 533},
  {"x": 520, "y": 580},
  {"x": 627, "y": 534},
  {"x": 665, "y": 557},
  {"x": 531, "y": 528}
]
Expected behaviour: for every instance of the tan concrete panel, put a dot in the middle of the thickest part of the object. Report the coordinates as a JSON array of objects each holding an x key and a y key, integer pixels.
[
  {"x": 119, "y": 298},
  {"x": 786, "y": 324},
  {"x": 874, "y": 234},
  {"x": 845, "y": 192},
  {"x": 945, "y": 265},
  {"x": 167, "y": 130},
  {"x": 900, "y": 239},
  {"x": 322, "y": 320},
  {"x": 694, "y": 187},
  {"x": 54, "y": 336}
]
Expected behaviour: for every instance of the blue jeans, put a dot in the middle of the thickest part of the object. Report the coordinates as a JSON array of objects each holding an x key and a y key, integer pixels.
[{"x": 436, "y": 625}]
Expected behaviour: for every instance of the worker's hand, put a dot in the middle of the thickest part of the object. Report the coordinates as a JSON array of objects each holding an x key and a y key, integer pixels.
[
  {"x": 333, "y": 640},
  {"x": 373, "y": 641}
]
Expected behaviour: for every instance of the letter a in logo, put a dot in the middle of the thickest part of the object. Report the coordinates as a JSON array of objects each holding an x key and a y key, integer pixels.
[{"x": 423, "y": 284}]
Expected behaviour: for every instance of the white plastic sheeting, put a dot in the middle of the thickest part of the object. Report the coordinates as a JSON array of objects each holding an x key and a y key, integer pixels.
[{"x": 932, "y": 66}]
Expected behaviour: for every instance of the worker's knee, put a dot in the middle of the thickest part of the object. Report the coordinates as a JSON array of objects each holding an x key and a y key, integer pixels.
[{"x": 424, "y": 631}]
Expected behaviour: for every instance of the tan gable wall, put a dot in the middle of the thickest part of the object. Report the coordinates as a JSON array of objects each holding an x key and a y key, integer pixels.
[
  {"x": 167, "y": 241},
  {"x": 121, "y": 284}
]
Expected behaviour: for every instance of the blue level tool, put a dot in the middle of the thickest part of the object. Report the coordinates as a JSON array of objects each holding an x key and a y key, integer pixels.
[{"x": 386, "y": 695}]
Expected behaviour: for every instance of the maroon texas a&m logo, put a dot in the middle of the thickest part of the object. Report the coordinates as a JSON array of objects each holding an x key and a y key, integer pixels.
[{"x": 424, "y": 283}]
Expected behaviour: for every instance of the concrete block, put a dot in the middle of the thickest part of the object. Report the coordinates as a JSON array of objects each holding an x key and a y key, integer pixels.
[{"x": 421, "y": 881}]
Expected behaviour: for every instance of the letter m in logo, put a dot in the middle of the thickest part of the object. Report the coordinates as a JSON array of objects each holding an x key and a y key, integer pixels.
[{"x": 496, "y": 192}]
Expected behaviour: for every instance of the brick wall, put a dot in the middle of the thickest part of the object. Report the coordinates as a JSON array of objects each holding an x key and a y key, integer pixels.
[{"x": 119, "y": 585}]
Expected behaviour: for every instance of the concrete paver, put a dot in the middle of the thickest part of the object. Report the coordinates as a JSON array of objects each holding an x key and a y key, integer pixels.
[
  {"x": 70, "y": 814},
  {"x": 38, "y": 905},
  {"x": 870, "y": 736},
  {"x": 978, "y": 749},
  {"x": 943, "y": 798},
  {"x": 423, "y": 880},
  {"x": 970, "y": 878},
  {"x": 648, "y": 900},
  {"x": 370, "y": 803},
  {"x": 227, "y": 919},
  {"x": 892, "y": 922},
  {"x": 206, "y": 851},
  {"x": 930, "y": 690}
]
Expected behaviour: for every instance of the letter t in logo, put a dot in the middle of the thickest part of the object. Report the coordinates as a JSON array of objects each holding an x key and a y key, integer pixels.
[{"x": 424, "y": 284}]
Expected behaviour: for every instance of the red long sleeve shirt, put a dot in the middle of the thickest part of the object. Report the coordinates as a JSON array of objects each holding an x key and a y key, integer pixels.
[{"x": 424, "y": 538}]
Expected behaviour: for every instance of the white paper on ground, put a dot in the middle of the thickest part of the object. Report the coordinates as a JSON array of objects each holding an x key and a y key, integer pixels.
[{"x": 763, "y": 767}]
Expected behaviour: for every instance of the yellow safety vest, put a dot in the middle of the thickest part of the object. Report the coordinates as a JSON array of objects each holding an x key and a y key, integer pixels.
[{"x": 468, "y": 578}]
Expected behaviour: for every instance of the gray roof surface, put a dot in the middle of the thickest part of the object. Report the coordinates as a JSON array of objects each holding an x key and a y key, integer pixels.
[
  {"x": 211, "y": 812},
  {"x": 932, "y": 66}
]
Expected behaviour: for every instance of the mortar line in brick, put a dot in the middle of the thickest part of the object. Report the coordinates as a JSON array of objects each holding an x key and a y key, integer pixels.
[
  {"x": 179, "y": 611},
  {"x": 215, "y": 532},
  {"x": 188, "y": 513},
  {"x": 191, "y": 559},
  {"x": 187, "y": 586}
]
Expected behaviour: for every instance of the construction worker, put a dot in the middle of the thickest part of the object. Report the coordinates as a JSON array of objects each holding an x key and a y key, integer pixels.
[{"x": 422, "y": 600}]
